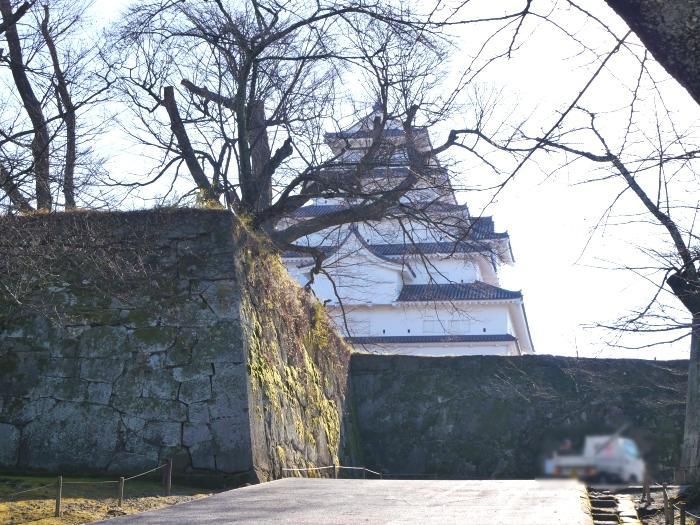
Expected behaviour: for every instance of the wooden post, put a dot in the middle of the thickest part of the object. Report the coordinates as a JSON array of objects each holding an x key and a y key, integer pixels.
[
  {"x": 59, "y": 491},
  {"x": 335, "y": 471},
  {"x": 679, "y": 476},
  {"x": 667, "y": 511},
  {"x": 646, "y": 492},
  {"x": 681, "y": 508},
  {"x": 168, "y": 476},
  {"x": 121, "y": 491}
]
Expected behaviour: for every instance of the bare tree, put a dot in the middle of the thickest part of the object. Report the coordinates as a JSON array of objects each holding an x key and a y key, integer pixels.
[
  {"x": 32, "y": 105},
  {"x": 655, "y": 156},
  {"x": 237, "y": 96},
  {"x": 45, "y": 130},
  {"x": 669, "y": 30},
  {"x": 650, "y": 153}
]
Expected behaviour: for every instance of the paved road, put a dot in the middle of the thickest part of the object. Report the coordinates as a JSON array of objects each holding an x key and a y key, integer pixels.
[{"x": 345, "y": 501}]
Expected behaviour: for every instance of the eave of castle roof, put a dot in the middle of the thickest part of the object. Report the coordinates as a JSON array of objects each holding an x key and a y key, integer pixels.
[{"x": 476, "y": 291}]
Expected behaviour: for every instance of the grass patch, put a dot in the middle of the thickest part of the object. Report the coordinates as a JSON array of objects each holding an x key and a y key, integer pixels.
[{"x": 83, "y": 503}]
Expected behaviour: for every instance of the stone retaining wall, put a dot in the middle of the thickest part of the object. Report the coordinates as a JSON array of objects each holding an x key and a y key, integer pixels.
[
  {"x": 126, "y": 338},
  {"x": 497, "y": 417}
]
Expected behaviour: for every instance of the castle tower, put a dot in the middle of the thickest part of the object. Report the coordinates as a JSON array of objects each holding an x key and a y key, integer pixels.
[{"x": 422, "y": 281}]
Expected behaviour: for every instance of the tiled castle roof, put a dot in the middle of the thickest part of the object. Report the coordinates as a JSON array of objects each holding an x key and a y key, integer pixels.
[
  {"x": 482, "y": 228},
  {"x": 367, "y": 133},
  {"x": 476, "y": 338},
  {"x": 315, "y": 210},
  {"x": 426, "y": 248},
  {"x": 394, "y": 168},
  {"x": 401, "y": 249},
  {"x": 476, "y": 291}
]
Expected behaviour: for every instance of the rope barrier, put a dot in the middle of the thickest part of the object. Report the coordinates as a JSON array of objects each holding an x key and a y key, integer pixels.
[
  {"x": 673, "y": 505},
  {"x": 144, "y": 473},
  {"x": 103, "y": 482},
  {"x": 30, "y": 490},
  {"x": 362, "y": 468},
  {"x": 687, "y": 512},
  {"x": 306, "y": 469},
  {"x": 88, "y": 482}
]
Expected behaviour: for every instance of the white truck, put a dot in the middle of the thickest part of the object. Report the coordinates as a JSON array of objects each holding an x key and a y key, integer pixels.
[{"x": 605, "y": 459}]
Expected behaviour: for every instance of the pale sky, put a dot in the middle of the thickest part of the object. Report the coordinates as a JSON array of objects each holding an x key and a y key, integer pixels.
[
  {"x": 565, "y": 279},
  {"x": 566, "y": 282}
]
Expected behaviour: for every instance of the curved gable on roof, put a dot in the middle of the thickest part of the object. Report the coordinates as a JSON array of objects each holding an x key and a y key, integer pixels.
[{"x": 354, "y": 246}]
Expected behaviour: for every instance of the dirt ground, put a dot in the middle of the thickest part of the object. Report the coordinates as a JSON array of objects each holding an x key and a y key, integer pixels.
[
  {"x": 653, "y": 514},
  {"x": 84, "y": 499}
]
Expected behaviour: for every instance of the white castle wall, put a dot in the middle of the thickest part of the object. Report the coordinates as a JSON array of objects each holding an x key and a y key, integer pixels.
[{"x": 428, "y": 319}]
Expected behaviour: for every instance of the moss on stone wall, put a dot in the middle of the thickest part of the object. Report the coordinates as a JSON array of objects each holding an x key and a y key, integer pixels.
[{"x": 297, "y": 365}]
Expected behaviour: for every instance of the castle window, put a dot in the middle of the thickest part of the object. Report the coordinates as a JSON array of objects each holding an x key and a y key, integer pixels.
[
  {"x": 460, "y": 326},
  {"x": 359, "y": 327},
  {"x": 432, "y": 327}
]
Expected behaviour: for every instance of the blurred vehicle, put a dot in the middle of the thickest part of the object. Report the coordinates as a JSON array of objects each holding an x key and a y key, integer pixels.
[{"x": 605, "y": 459}]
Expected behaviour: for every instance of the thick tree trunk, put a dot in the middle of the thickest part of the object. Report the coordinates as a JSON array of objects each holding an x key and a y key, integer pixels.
[
  {"x": 186, "y": 149},
  {"x": 690, "y": 453},
  {"x": 68, "y": 115},
  {"x": 670, "y": 30},
  {"x": 41, "y": 142},
  {"x": 686, "y": 287},
  {"x": 260, "y": 155}
]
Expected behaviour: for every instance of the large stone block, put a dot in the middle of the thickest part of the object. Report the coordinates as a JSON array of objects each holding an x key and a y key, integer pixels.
[
  {"x": 21, "y": 411},
  {"x": 163, "y": 433},
  {"x": 221, "y": 343},
  {"x": 193, "y": 434},
  {"x": 103, "y": 341},
  {"x": 151, "y": 339},
  {"x": 222, "y": 298},
  {"x": 68, "y": 434},
  {"x": 61, "y": 389},
  {"x": 198, "y": 413},
  {"x": 132, "y": 463},
  {"x": 130, "y": 385},
  {"x": 101, "y": 370},
  {"x": 194, "y": 371},
  {"x": 232, "y": 446},
  {"x": 150, "y": 408},
  {"x": 203, "y": 456},
  {"x": 99, "y": 393},
  {"x": 160, "y": 384},
  {"x": 9, "y": 451},
  {"x": 64, "y": 367},
  {"x": 195, "y": 390}
]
